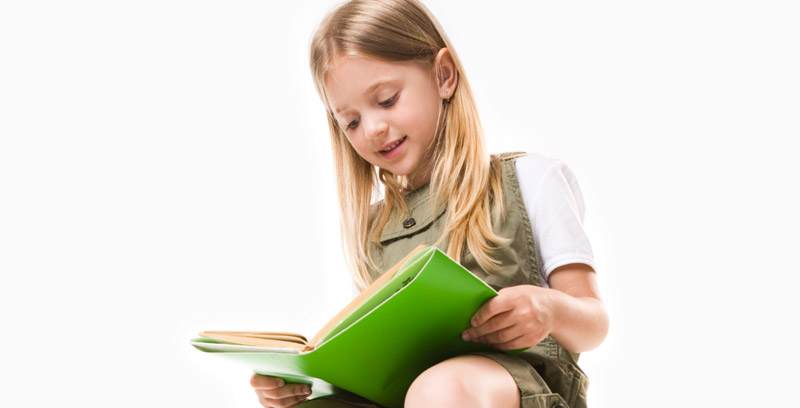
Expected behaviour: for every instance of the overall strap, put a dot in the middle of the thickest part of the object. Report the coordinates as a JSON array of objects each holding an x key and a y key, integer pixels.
[{"x": 510, "y": 155}]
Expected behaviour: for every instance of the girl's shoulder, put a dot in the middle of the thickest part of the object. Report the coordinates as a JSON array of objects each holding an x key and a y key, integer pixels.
[
  {"x": 533, "y": 162},
  {"x": 533, "y": 167},
  {"x": 541, "y": 176}
]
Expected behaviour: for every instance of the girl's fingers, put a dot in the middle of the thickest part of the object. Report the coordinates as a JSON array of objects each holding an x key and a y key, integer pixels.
[
  {"x": 277, "y": 388},
  {"x": 500, "y": 336},
  {"x": 259, "y": 381},
  {"x": 282, "y": 403},
  {"x": 516, "y": 343},
  {"x": 265, "y": 402},
  {"x": 298, "y": 403},
  {"x": 493, "y": 306},
  {"x": 287, "y": 391},
  {"x": 496, "y": 323}
]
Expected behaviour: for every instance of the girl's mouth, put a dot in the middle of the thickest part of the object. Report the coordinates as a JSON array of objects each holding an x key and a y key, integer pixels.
[{"x": 389, "y": 151}]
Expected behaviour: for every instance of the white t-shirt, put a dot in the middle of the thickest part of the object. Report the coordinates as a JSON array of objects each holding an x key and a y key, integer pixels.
[{"x": 555, "y": 208}]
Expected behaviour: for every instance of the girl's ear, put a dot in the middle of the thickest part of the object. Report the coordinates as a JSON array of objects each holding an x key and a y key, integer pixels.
[{"x": 446, "y": 73}]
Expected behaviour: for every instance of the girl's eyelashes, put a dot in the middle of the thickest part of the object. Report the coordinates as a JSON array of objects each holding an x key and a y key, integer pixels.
[
  {"x": 387, "y": 103},
  {"x": 353, "y": 124}
]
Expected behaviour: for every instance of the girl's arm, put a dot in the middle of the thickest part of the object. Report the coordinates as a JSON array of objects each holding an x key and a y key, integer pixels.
[{"x": 522, "y": 316}]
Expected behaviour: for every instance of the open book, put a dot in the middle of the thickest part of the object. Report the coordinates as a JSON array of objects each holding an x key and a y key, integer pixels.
[
  {"x": 367, "y": 299},
  {"x": 406, "y": 321}
]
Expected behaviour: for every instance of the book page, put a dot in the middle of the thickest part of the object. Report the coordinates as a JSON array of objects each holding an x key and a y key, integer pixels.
[
  {"x": 380, "y": 290},
  {"x": 265, "y": 341},
  {"x": 210, "y": 345},
  {"x": 284, "y": 336}
]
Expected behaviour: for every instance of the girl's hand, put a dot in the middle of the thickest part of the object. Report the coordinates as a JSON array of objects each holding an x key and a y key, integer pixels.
[
  {"x": 518, "y": 317},
  {"x": 521, "y": 316},
  {"x": 274, "y": 392}
]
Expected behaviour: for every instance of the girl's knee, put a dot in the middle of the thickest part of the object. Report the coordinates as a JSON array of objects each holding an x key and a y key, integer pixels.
[
  {"x": 464, "y": 381},
  {"x": 439, "y": 386}
]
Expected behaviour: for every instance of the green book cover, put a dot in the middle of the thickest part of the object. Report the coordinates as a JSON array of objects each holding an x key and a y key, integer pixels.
[{"x": 411, "y": 322}]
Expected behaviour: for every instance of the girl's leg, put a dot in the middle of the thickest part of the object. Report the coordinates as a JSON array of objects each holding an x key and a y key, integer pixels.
[{"x": 465, "y": 381}]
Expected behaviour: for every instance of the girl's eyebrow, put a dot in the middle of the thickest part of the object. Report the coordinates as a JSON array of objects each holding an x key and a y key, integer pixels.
[{"x": 371, "y": 88}]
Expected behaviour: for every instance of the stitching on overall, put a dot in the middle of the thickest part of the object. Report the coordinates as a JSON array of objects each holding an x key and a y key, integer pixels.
[
  {"x": 420, "y": 200},
  {"x": 510, "y": 170},
  {"x": 573, "y": 393},
  {"x": 551, "y": 347},
  {"x": 388, "y": 241}
]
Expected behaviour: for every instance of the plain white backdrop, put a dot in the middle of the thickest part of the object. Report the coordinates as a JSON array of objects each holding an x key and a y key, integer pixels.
[{"x": 165, "y": 169}]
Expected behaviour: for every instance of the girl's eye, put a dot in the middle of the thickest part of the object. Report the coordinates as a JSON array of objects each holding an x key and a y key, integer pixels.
[{"x": 389, "y": 102}]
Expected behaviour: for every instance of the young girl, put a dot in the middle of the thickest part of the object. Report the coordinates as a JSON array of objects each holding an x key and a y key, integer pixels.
[{"x": 401, "y": 112}]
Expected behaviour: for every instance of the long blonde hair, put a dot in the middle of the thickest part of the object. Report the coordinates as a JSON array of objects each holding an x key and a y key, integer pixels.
[{"x": 464, "y": 175}]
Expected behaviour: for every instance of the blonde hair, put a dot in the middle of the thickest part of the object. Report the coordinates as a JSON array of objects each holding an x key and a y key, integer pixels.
[{"x": 464, "y": 175}]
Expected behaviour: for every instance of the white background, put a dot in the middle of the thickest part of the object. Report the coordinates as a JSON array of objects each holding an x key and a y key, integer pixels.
[{"x": 165, "y": 169}]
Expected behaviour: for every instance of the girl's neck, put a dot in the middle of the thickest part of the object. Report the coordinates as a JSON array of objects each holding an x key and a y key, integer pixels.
[
  {"x": 419, "y": 179},
  {"x": 416, "y": 184},
  {"x": 422, "y": 175}
]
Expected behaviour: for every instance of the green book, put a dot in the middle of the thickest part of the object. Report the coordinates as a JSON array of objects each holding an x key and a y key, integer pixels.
[{"x": 406, "y": 321}]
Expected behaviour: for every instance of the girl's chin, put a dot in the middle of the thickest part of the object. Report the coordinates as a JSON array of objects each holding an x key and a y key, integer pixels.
[
  {"x": 397, "y": 172},
  {"x": 408, "y": 170},
  {"x": 403, "y": 167},
  {"x": 400, "y": 167}
]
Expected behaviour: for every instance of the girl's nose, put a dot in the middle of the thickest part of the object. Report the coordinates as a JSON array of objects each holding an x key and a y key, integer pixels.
[{"x": 375, "y": 127}]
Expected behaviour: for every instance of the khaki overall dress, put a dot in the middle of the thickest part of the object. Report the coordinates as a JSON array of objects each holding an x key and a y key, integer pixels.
[{"x": 547, "y": 374}]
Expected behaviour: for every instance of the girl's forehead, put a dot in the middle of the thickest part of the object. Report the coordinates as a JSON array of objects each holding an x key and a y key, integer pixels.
[
  {"x": 360, "y": 75},
  {"x": 355, "y": 67},
  {"x": 359, "y": 67}
]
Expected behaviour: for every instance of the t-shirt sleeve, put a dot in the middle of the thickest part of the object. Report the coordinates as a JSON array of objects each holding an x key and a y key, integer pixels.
[{"x": 555, "y": 208}]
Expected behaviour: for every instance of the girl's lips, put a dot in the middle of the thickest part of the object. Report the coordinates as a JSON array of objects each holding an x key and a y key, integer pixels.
[
  {"x": 394, "y": 148},
  {"x": 387, "y": 146}
]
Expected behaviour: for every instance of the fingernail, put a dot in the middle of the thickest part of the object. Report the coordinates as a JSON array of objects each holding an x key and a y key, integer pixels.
[
  {"x": 307, "y": 390},
  {"x": 465, "y": 336},
  {"x": 281, "y": 383}
]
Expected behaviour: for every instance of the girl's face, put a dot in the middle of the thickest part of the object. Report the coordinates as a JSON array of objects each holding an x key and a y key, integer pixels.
[{"x": 388, "y": 111}]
